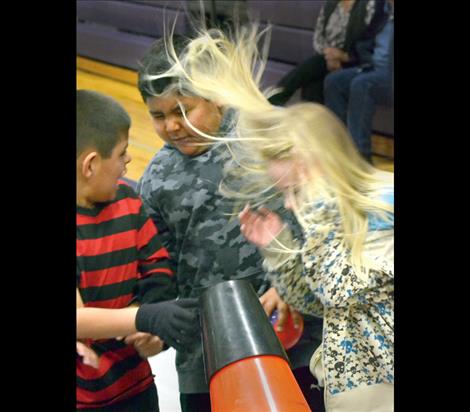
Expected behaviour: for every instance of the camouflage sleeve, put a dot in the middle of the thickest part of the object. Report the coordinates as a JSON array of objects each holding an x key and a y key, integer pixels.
[{"x": 152, "y": 210}]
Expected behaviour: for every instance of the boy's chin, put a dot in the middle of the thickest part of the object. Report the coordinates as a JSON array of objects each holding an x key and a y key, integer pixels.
[
  {"x": 111, "y": 196},
  {"x": 192, "y": 151}
]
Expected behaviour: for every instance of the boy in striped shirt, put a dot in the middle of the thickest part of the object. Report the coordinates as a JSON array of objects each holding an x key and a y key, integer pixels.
[{"x": 121, "y": 264}]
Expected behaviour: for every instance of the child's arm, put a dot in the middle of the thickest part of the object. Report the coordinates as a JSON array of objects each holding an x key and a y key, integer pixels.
[
  {"x": 149, "y": 199},
  {"x": 173, "y": 321},
  {"x": 98, "y": 323},
  {"x": 145, "y": 344},
  {"x": 89, "y": 355},
  {"x": 266, "y": 230},
  {"x": 156, "y": 282}
]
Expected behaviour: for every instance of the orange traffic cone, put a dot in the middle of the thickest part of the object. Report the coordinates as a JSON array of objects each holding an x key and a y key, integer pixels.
[{"x": 246, "y": 366}]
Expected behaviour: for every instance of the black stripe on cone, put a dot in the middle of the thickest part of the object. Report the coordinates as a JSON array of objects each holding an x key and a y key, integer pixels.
[{"x": 235, "y": 326}]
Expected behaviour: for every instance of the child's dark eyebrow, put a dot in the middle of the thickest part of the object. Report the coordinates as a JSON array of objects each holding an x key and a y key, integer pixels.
[
  {"x": 124, "y": 150},
  {"x": 177, "y": 107},
  {"x": 174, "y": 109}
]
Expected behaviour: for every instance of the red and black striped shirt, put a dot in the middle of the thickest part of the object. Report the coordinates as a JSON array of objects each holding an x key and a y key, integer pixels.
[{"x": 119, "y": 258}]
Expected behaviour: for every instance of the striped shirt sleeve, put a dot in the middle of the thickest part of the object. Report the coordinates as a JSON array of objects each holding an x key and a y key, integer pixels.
[{"x": 156, "y": 279}]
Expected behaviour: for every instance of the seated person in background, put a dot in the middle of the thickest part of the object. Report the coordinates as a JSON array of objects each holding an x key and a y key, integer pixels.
[
  {"x": 120, "y": 260},
  {"x": 352, "y": 93},
  {"x": 340, "y": 24}
]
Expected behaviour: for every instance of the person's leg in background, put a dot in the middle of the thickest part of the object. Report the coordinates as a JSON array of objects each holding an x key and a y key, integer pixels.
[
  {"x": 195, "y": 402},
  {"x": 336, "y": 91},
  {"x": 302, "y": 76},
  {"x": 313, "y": 91},
  {"x": 363, "y": 95}
]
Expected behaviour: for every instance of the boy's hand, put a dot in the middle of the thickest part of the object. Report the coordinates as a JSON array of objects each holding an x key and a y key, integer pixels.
[
  {"x": 145, "y": 344},
  {"x": 260, "y": 227},
  {"x": 174, "y": 321},
  {"x": 89, "y": 355}
]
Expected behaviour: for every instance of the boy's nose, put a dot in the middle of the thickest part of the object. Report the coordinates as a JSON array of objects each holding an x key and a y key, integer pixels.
[{"x": 172, "y": 125}]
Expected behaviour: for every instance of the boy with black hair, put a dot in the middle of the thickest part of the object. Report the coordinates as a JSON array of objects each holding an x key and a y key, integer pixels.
[
  {"x": 179, "y": 189},
  {"x": 121, "y": 263}
]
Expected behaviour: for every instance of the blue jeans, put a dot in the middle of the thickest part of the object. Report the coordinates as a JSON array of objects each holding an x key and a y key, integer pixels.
[{"x": 353, "y": 97}]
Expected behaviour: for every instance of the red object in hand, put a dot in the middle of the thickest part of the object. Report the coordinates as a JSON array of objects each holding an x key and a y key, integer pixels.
[{"x": 289, "y": 335}]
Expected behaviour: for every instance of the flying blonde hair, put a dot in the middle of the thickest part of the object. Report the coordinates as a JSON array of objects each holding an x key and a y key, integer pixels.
[{"x": 227, "y": 69}]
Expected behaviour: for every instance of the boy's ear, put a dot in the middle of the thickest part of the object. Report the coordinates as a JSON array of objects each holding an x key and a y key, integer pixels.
[{"x": 89, "y": 164}]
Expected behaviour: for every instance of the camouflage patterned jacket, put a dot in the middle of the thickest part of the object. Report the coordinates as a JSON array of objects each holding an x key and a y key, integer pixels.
[{"x": 181, "y": 195}]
